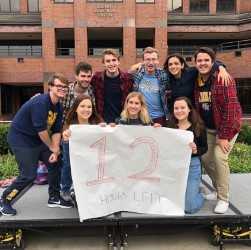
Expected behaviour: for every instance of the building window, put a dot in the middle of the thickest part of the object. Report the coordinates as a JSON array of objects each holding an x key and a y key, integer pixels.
[
  {"x": 65, "y": 44},
  {"x": 33, "y": 6},
  {"x": 105, "y": 1},
  {"x": 144, "y": 38},
  {"x": 226, "y": 5},
  {"x": 199, "y": 6},
  {"x": 175, "y": 6},
  {"x": 144, "y": 1},
  {"x": 9, "y": 6},
  {"x": 100, "y": 39},
  {"x": 244, "y": 93},
  {"x": 63, "y": 1}
]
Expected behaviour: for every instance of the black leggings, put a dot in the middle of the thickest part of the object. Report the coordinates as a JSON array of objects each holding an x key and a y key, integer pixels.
[{"x": 27, "y": 160}]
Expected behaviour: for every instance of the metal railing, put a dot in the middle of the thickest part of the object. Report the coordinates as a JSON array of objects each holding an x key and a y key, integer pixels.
[
  {"x": 139, "y": 52},
  {"x": 11, "y": 50},
  {"x": 241, "y": 44},
  {"x": 65, "y": 51},
  {"x": 99, "y": 51},
  {"x": 188, "y": 50}
]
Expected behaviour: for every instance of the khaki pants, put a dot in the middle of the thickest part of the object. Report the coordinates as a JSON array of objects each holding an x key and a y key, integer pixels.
[{"x": 215, "y": 163}]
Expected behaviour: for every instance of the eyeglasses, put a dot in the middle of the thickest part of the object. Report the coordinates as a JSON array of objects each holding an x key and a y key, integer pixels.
[
  {"x": 151, "y": 59},
  {"x": 59, "y": 86}
]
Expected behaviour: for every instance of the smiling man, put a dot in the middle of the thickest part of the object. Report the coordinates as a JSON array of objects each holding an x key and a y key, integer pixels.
[
  {"x": 35, "y": 135},
  {"x": 219, "y": 107},
  {"x": 152, "y": 82},
  {"x": 83, "y": 76},
  {"x": 111, "y": 87}
]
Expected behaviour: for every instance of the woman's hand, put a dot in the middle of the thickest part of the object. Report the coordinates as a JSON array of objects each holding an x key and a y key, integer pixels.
[
  {"x": 193, "y": 146},
  {"x": 102, "y": 124},
  {"x": 112, "y": 124},
  {"x": 66, "y": 135},
  {"x": 157, "y": 125}
]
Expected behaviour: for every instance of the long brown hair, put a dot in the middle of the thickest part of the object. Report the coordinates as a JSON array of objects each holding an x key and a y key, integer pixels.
[
  {"x": 193, "y": 117},
  {"x": 179, "y": 57},
  {"x": 71, "y": 117}
]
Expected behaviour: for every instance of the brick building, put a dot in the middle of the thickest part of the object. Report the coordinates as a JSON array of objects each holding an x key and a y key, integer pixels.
[{"x": 38, "y": 37}]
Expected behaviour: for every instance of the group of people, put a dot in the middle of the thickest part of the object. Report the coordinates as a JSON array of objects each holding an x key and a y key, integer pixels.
[{"x": 201, "y": 99}]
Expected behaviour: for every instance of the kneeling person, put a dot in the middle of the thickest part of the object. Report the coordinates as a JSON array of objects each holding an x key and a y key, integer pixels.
[{"x": 35, "y": 135}]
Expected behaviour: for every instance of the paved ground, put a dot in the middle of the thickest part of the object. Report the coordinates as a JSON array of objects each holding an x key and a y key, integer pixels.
[{"x": 178, "y": 239}]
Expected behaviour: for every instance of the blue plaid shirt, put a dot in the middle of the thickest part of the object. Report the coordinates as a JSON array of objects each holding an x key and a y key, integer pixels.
[{"x": 164, "y": 85}]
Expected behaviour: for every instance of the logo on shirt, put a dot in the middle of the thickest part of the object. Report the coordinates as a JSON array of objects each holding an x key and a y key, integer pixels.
[
  {"x": 51, "y": 119},
  {"x": 205, "y": 100},
  {"x": 148, "y": 86}
]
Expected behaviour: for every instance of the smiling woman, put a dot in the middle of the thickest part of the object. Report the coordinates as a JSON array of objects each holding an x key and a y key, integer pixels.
[{"x": 82, "y": 112}]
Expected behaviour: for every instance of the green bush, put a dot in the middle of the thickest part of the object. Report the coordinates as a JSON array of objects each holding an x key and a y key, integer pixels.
[
  {"x": 240, "y": 158},
  {"x": 4, "y": 147},
  {"x": 8, "y": 166},
  {"x": 245, "y": 134}
]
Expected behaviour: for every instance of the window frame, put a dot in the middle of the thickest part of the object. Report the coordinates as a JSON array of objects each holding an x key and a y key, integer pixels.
[
  {"x": 225, "y": 11},
  {"x": 10, "y": 7},
  {"x": 38, "y": 5},
  {"x": 172, "y": 11},
  {"x": 199, "y": 11}
]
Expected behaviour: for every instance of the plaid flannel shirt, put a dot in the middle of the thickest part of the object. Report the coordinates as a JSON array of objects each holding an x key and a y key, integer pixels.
[
  {"x": 225, "y": 106},
  {"x": 164, "y": 85},
  {"x": 71, "y": 96},
  {"x": 98, "y": 86}
]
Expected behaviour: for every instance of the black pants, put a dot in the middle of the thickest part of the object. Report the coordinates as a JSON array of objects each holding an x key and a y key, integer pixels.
[{"x": 27, "y": 160}]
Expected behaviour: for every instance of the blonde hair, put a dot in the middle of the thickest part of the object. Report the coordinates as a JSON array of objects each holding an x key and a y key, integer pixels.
[
  {"x": 150, "y": 50},
  {"x": 143, "y": 114}
]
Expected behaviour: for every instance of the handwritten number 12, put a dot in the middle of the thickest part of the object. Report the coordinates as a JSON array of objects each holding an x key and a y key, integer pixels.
[{"x": 145, "y": 175}]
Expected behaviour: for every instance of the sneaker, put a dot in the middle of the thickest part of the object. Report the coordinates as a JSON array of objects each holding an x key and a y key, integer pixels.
[
  {"x": 210, "y": 197},
  {"x": 66, "y": 195},
  {"x": 55, "y": 202},
  {"x": 7, "y": 209},
  {"x": 221, "y": 207}
]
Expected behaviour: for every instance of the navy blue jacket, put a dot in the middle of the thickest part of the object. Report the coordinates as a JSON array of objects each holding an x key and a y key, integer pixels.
[{"x": 36, "y": 115}]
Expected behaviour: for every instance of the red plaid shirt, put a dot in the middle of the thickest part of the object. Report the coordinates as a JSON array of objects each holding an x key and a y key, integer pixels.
[
  {"x": 97, "y": 83},
  {"x": 226, "y": 108}
]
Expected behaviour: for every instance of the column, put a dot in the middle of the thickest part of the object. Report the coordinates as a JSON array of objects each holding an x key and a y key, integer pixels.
[
  {"x": 161, "y": 31},
  {"x": 186, "y": 7},
  {"x": 212, "y": 7},
  {"x": 129, "y": 33},
  {"x": 48, "y": 40},
  {"x": 23, "y": 6},
  {"x": 80, "y": 31}
]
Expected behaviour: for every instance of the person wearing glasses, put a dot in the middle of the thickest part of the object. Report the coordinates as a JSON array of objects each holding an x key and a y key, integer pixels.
[{"x": 34, "y": 135}]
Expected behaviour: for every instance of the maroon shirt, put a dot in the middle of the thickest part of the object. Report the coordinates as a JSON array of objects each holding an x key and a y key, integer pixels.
[
  {"x": 98, "y": 85},
  {"x": 225, "y": 106}
]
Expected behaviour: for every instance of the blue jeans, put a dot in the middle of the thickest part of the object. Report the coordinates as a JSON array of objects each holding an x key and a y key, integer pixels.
[
  {"x": 66, "y": 180},
  {"x": 194, "y": 199}
]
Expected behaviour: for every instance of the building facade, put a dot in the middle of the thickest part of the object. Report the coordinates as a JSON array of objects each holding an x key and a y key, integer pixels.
[{"x": 39, "y": 37}]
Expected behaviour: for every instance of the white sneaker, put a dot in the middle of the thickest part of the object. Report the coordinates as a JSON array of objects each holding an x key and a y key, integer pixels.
[
  {"x": 210, "y": 197},
  {"x": 221, "y": 207}
]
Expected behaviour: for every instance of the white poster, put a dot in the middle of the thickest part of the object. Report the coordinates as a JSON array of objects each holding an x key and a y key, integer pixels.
[{"x": 129, "y": 168}]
